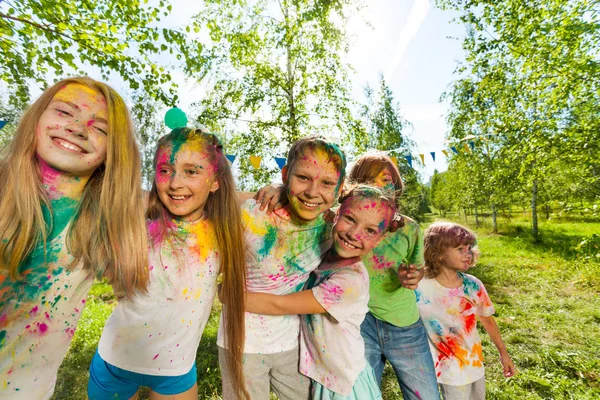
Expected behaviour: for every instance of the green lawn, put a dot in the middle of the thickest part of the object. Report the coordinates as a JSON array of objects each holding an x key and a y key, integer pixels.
[{"x": 547, "y": 306}]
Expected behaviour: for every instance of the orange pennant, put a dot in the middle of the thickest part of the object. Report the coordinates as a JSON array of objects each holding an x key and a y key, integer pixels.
[{"x": 255, "y": 161}]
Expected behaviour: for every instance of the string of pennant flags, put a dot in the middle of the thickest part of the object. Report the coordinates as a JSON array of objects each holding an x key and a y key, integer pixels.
[{"x": 466, "y": 144}]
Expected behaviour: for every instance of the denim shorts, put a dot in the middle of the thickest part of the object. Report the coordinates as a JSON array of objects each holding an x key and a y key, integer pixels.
[{"x": 110, "y": 382}]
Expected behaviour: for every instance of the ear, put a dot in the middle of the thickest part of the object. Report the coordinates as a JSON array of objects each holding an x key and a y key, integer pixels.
[
  {"x": 214, "y": 187},
  {"x": 340, "y": 189},
  {"x": 284, "y": 175}
]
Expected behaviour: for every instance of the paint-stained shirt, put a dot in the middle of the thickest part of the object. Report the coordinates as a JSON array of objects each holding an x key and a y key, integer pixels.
[
  {"x": 39, "y": 314},
  {"x": 158, "y": 332},
  {"x": 389, "y": 300},
  {"x": 450, "y": 317},
  {"x": 332, "y": 351},
  {"x": 280, "y": 255}
]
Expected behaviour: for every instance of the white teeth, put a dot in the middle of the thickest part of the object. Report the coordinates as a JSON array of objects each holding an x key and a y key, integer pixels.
[
  {"x": 178, "y": 197},
  {"x": 68, "y": 145},
  {"x": 311, "y": 205},
  {"x": 348, "y": 245}
]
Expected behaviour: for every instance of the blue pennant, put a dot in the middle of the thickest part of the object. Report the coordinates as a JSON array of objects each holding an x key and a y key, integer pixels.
[
  {"x": 409, "y": 159},
  {"x": 231, "y": 157},
  {"x": 280, "y": 162}
]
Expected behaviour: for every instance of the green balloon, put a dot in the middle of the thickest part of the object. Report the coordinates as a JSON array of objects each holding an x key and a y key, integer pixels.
[{"x": 175, "y": 118}]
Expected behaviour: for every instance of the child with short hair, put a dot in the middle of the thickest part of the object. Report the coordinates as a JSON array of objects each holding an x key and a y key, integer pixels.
[
  {"x": 450, "y": 301},
  {"x": 69, "y": 211},
  {"x": 282, "y": 249},
  {"x": 332, "y": 349}
]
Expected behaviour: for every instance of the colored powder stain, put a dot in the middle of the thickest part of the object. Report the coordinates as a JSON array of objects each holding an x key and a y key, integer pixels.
[
  {"x": 155, "y": 357},
  {"x": 270, "y": 238},
  {"x": 34, "y": 310},
  {"x": 90, "y": 123},
  {"x": 2, "y": 339},
  {"x": 43, "y": 328},
  {"x": 418, "y": 394}
]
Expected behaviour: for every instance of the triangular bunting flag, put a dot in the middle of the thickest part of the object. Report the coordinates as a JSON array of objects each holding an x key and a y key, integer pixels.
[
  {"x": 472, "y": 144},
  {"x": 445, "y": 152},
  {"x": 280, "y": 162},
  {"x": 2, "y": 123},
  {"x": 432, "y": 155},
  {"x": 454, "y": 149},
  {"x": 422, "y": 156},
  {"x": 255, "y": 161},
  {"x": 394, "y": 160},
  {"x": 409, "y": 159},
  {"x": 231, "y": 157},
  {"x": 466, "y": 147}
]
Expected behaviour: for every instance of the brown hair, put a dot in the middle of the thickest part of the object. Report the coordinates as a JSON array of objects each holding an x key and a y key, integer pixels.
[
  {"x": 316, "y": 142},
  {"x": 439, "y": 237},
  {"x": 108, "y": 233},
  {"x": 368, "y": 167},
  {"x": 223, "y": 211}
]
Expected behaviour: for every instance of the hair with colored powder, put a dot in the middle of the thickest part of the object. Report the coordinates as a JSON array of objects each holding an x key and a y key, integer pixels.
[
  {"x": 372, "y": 193},
  {"x": 107, "y": 233},
  {"x": 223, "y": 211},
  {"x": 316, "y": 142},
  {"x": 441, "y": 236}
]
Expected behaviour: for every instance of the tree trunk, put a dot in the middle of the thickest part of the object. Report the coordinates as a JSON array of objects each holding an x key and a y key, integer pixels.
[
  {"x": 534, "y": 219},
  {"x": 476, "y": 217},
  {"x": 547, "y": 211},
  {"x": 494, "y": 218}
]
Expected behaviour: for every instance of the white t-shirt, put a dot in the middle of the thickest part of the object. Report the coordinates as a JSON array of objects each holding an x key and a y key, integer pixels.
[
  {"x": 158, "y": 332},
  {"x": 38, "y": 317},
  {"x": 280, "y": 254},
  {"x": 450, "y": 318},
  {"x": 332, "y": 350}
]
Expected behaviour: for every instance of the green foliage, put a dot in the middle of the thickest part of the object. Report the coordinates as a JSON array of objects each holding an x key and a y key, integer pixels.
[
  {"x": 530, "y": 86},
  {"x": 11, "y": 108},
  {"x": 38, "y": 38},
  {"x": 277, "y": 75}
]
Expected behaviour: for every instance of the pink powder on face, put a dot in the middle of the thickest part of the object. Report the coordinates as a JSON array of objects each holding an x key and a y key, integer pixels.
[
  {"x": 90, "y": 123},
  {"x": 34, "y": 310}
]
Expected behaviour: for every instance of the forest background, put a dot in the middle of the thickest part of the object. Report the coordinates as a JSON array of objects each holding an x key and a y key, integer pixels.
[{"x": 522, "y": 145}]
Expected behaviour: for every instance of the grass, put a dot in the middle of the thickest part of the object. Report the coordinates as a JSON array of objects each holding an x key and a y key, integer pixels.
[{"x": 547, "y": 303}]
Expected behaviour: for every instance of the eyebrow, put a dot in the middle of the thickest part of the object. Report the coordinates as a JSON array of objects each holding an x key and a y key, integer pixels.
[{"x": 75, "y": 106}]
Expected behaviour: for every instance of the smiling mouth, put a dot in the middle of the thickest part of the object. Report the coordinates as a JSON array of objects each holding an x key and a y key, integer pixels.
[
  {"x": 68, "y": 145},
  {"x": 178, "y": 198},
  {"x": 309, "y": 205},
  {"x": 348, "y": 245}
]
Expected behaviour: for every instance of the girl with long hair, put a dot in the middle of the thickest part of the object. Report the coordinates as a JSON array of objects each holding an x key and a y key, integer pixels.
[
  {"x": 194, "y": 226},
  {"x": 69, "y": 212}
]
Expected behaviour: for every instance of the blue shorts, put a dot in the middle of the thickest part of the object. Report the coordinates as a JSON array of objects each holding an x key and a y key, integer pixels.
[{"x": 110, "y": 382}]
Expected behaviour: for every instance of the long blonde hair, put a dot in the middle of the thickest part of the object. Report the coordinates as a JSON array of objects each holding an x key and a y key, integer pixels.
[
  {"x": 107, "y": 233},
  {"x": 223, "y": 211}
]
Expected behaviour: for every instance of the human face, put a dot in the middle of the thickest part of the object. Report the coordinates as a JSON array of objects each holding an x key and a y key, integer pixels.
[
  {"x": 458, "y": 258},
  {"x": 313, "y": 183},
  {"x": 360, "y": 225},
  {"x": 384, "y": 180},
  {"x": 185, "y": 178},
  {"x": 72, "y": 131}
]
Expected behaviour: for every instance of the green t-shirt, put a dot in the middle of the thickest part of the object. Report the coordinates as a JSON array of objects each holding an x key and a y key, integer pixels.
[{"x": 389, "y": 300}]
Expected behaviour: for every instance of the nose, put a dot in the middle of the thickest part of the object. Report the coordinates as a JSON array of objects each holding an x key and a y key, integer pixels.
[
  {"x": 311, "y": 190},
  {"x": 77, "y": 128},
  {"x": 175, "y": 181},
  {"x": 353, "y": 233}
]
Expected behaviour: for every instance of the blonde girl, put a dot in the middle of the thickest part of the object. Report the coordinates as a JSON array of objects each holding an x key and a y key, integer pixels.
[
  {"x": 194, "y": 226},
  {"x": 69, "y": 212}
]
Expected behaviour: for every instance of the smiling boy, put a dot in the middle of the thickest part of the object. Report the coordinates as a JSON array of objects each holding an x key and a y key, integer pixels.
[{"x": 282, "y": 249}]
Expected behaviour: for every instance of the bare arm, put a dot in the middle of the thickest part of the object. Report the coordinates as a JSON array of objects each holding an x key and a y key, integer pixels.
[
  {"x": 303, "y": 302},
  {"x": 489, "y": 323}
]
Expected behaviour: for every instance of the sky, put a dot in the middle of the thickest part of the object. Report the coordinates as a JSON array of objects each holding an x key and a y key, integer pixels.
[{"x": 413, "y": 44}]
